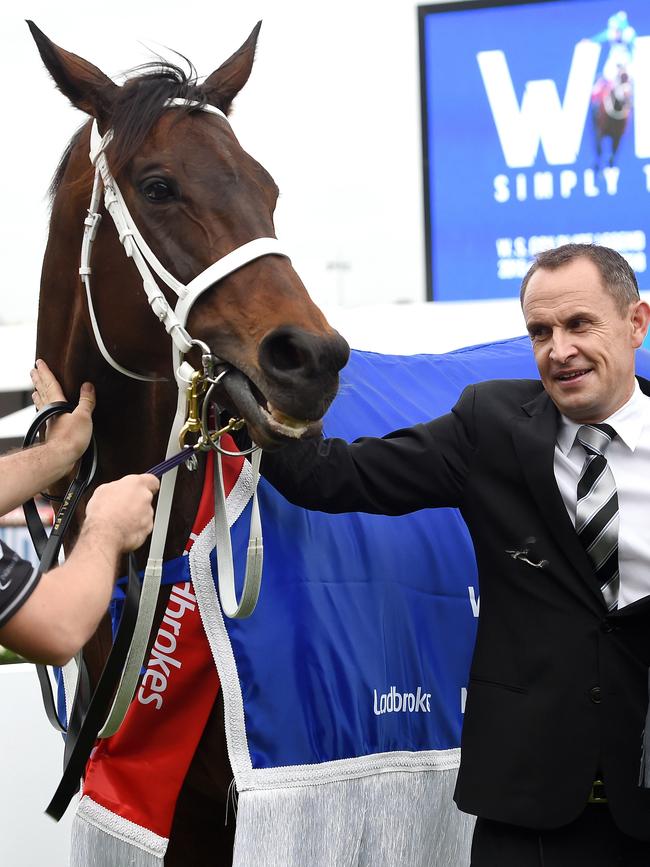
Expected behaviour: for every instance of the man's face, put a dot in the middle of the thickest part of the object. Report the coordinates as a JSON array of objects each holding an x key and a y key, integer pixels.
[{"x": 584, "y": 347}]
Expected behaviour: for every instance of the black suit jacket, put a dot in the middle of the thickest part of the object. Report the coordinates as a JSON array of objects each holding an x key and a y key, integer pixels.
[{"x": 558, "y": 688}]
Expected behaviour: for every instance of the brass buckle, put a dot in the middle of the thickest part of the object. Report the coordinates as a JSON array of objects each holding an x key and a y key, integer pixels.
[
  {"x": 597, "y": 793},
  {"x": 196, "y": 389},
  {"x": 198, "y": 392}
]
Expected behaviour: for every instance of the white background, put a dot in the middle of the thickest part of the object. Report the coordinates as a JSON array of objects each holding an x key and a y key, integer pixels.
[{"x": 331, "y": 109}]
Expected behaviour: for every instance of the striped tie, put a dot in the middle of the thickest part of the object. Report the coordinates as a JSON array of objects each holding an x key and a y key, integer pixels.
[{"x": 597, "y": 509}]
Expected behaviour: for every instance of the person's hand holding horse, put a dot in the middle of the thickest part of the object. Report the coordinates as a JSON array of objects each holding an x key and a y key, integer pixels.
[
  {"x": 120, "y": 514},
  {"x": 26, "y": 472},
  {"x": 65, "y": 607},
  {"x": 48, "y": 618},
  {"x": 68, "y": 435}
]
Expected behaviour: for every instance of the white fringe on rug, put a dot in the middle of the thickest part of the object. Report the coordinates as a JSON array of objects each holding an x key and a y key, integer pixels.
[
  {"x": 393, "y": 819},
  {"x": 102, "y": 839}
]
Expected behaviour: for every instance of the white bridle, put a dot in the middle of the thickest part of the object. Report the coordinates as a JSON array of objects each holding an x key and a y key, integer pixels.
[
  {"x": 174, "y": 321},
  {"x": 145, "y": 259}
]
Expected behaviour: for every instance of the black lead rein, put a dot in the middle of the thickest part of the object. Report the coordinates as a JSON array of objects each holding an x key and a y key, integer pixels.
[
  {"x": 48, "y": 548},
  {"x": 88, "y": 713}
]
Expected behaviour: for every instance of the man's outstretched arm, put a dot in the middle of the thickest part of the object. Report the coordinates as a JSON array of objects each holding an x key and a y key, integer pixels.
[{"x": 419, "y": 467}]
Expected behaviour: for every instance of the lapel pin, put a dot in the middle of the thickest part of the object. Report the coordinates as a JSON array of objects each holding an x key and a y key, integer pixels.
[{"x": 523, "y": 556}]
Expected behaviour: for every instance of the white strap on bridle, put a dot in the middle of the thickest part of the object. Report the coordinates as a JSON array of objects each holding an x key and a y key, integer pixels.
[
  {"x": 233, "y": 607},
  {"x": 174, "y": 321},
  {"x": 150, "y": 583},
  {"x": 145, "y": 259}
]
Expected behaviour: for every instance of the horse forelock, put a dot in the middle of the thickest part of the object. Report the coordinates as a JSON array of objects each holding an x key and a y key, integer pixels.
[{"x": 139, "y": 105}]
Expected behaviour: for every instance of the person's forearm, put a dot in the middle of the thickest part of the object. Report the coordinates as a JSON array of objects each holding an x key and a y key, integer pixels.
[
  {"x": 27, "y": 472},
  {"x": 83, "y": 585},
  {"x": 66, "y": 607}
]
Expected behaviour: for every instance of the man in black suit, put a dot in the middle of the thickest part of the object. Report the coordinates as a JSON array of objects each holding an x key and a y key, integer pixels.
[{"x": 558, "y": 691}]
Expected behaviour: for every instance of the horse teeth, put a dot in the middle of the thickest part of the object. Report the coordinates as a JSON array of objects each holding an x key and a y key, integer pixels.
[
  {"x": 284, "y": 424},
  {"x": 287, "y": 420},
  {"x": 294, "y": 432}
]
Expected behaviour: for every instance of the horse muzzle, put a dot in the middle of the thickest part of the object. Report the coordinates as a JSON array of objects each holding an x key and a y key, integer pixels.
[{"x": 296, "y": 379}]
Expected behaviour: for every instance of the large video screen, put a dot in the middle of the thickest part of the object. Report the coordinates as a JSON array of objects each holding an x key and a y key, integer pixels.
[{"x": 536, "y": 132}]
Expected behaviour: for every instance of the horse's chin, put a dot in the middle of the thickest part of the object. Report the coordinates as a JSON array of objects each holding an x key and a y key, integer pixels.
[{"x": 267, "y": 426}]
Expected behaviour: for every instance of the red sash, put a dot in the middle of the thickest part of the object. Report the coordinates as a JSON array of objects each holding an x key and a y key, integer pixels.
[{"x": 138, "y": 772}]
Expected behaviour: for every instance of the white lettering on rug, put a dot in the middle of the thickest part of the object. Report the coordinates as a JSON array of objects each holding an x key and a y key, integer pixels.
[
  {"x": 401, "y": 702},
  {"x": 162, "y": 660}
]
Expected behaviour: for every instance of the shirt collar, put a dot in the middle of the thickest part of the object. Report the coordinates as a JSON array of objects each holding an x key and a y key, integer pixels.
[{"x": 628, "y": 422}]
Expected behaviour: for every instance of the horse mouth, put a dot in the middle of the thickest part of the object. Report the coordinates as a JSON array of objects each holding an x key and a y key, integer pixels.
[
  {"x": 268, "y": 426},
  {"x": 283, "y": 424}
]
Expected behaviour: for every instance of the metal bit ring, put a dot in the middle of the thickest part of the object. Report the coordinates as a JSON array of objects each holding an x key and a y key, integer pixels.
[{"x": 207, "y": 438}]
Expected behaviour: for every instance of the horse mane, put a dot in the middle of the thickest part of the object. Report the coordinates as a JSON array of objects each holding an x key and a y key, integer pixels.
[
  {"x": 139, "y": 105},
  {"x": 57, "y": 179}
]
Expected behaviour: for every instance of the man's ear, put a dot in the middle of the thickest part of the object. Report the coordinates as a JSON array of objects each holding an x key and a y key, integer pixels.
[
  {"x": 86, "y": 86},
  {"x": 640, "y": 321}
]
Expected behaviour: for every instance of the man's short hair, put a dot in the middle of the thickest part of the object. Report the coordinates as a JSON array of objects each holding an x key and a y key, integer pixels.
[{"x": 616, "y": 274}]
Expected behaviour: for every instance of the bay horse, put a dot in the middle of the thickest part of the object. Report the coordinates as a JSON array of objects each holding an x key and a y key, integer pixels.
[
  {"x": 195, "y": 196},
  {"x": 611, "y": 108}
]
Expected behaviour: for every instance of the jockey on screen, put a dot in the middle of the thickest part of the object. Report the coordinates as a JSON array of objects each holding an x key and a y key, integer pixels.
[{"x": 621, "y": 38}]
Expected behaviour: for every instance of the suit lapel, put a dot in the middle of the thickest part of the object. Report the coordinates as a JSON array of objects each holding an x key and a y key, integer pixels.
[{"x": 534, "y": 435}]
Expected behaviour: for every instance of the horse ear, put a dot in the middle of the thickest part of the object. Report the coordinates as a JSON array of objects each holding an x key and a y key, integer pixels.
[
  {"x": 86, "y": 86},
  {"x": 223, "y": 85}
]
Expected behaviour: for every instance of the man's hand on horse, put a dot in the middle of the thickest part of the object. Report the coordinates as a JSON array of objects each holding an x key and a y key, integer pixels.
[{"x": 68, "y": 434}]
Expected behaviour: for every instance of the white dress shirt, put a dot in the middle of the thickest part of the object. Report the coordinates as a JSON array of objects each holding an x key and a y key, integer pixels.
[{"x": 628, "y": 456}]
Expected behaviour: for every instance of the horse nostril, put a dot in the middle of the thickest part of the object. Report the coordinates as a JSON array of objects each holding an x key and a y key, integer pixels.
[
  {"x": 293, "y": 352},
  {"x": 283, "y": 353}
]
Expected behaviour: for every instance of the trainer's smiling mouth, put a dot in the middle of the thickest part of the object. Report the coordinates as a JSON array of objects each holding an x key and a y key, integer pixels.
[{"x": 572, "y": 375}]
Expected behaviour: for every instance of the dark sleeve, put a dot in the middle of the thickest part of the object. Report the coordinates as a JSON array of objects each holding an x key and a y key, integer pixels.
[
  {"x": 18, "y": 579},
  {"x": 414, "y": 468}
]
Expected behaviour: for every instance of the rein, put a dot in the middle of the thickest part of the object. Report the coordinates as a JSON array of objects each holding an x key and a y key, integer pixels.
[
  {"x": 87, "y": 712},
  {"x": 48, "y": 548}
]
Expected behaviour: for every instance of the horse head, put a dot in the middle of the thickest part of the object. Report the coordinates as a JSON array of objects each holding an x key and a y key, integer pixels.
[{"x": 195, "y": 195}]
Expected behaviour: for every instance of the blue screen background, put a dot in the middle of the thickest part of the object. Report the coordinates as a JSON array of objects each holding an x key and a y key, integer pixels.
[{"x": 465, "y": 154}]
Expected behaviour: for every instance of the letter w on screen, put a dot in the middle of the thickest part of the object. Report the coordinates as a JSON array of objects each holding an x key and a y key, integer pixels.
[{"x": 543, "y": 119}]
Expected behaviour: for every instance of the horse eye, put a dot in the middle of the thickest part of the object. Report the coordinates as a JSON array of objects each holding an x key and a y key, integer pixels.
[{"x": 157, "y": 190}]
